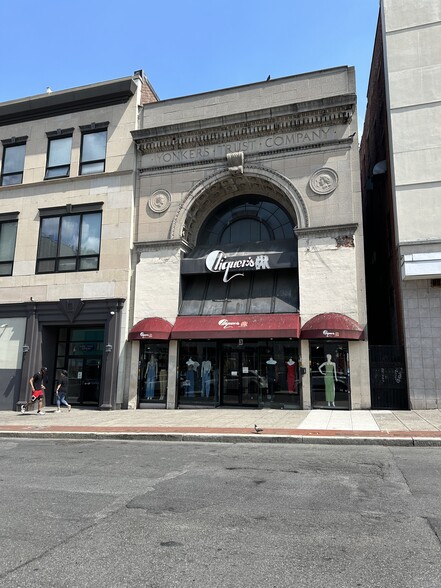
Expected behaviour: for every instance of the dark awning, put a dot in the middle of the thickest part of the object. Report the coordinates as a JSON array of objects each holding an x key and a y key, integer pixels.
[
  {"x": 151, "y": 328},
  {"x": 332, "y": 325},
  {"x": 242, "y": 326}
]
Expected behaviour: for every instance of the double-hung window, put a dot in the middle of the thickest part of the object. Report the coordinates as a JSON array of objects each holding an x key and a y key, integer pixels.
[
  {"x": 59, "y": 151},
  {"x": 13, "y": 161},
  {"x": 8, "y": 233},
  {"x": 69, "y": 242},
  {"x": 93, "y": 148}
]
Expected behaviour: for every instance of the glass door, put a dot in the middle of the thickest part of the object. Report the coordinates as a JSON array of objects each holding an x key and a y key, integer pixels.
[
  {"x": 84, "y": 380},
  {"x": 90, "y": 386},
  {"x": 75, "y": 373},
  {"x": 231, "y": 384},
  {"x": 240, "y": 380},
  {"x": 80, "y": 351}
]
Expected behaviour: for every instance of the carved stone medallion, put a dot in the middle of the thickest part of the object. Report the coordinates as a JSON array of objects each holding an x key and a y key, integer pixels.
[
  {"x": 323, "y": 181},
  {"x": 159, "y": 201}
]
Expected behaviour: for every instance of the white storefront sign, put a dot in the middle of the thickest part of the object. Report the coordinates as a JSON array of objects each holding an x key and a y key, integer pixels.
[{"x": 218, "y": 261}]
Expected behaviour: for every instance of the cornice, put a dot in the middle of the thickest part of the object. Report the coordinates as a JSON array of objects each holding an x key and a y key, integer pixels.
[
  {"x": 143, "y": 246},
  {"x": 329, "y": 231},
  {"x": 67, "y": 101},
  {"x": 284, "y": 119}
]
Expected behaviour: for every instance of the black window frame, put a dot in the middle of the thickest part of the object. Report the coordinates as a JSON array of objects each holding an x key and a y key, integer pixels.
[
  {"x": 52, "y": 137},
  {"x": 206, "y": 295},
  {"x": 69, "y": 211},
  {"x": 11, "y": 218},
  {"x": 217, "y": 228},
  {"x": 8, "y": 144},
  {"x": 91, "y": 129}
]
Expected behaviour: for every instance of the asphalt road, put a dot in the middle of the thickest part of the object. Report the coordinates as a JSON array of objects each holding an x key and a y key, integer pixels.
[{"x": 120, "y": 514}]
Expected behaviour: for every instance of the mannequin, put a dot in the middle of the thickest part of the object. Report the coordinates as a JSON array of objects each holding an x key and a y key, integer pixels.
[
  {"x": 192, "y": 368},
  {"x": 330, "y": 375},
  {"x": 151, "y": 375},
  {"x": 206, "y": 375},
  {"x": 291, "y": 375},
  {"x": 271, "y": 374}
]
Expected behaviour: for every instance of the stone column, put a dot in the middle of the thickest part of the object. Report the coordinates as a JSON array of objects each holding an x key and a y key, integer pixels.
[
  {"x": 359, "y": 374},
  {"x": 32, "y": 357},
  {"x": 132, "y": 401},
  {"x": 172, "y": 396},
  {"x": 306, "y": 378}
]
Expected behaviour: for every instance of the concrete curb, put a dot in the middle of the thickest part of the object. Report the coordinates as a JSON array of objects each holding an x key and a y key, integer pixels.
[{"x": 404, "y": 441}]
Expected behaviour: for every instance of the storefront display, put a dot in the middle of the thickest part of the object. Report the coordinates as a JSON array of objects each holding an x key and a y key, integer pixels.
[
  {"x": 330, "y": 374},
  {"x": 153, "y": 373},
  {"x": 198, "y": 373},
  {"x": 239, "y": 373}
]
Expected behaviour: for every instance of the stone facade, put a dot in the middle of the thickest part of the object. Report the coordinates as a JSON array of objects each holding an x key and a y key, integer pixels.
[
  {"x": 292, "y": 140},
  {"x": 38, "y": 300}
]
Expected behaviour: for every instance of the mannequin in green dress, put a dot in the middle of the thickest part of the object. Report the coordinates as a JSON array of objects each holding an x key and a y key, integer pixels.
[{"x": 330, "y": 375}]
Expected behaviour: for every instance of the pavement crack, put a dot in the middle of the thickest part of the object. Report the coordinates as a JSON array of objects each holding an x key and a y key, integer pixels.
[
  {"x": 435, "y": 526},
  {"x": 117, "y": 505},
  {"x": 253, "y": 469}
]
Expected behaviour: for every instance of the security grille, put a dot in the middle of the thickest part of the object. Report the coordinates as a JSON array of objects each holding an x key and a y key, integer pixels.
[{"x": 388, "y": 377}]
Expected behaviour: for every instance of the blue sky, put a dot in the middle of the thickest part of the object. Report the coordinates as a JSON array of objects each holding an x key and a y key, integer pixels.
[{"x": 184, "y": 46}]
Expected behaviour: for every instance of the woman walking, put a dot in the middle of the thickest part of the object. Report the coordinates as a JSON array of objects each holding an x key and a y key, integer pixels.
[{"x": 61, "y": 391}]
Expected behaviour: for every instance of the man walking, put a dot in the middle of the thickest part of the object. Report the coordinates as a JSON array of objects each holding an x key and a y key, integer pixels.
[
  {"x": 37, "y": 384},
  {"x": 61, "y": 391}
]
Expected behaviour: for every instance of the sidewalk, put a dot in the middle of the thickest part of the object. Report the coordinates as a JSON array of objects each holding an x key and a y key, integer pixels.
[{"x": 375, "y": 427}]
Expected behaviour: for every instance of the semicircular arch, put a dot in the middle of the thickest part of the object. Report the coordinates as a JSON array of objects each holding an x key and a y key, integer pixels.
[{"x": 222, "y": 186}]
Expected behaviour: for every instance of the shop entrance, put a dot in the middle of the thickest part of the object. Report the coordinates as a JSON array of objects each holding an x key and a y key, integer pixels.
[
  {"x": 240, "y": 372},
  {"x": 80, "y": 352},
  {"x": 84, "y": 380},
  {"x": 241, "y": 383}
]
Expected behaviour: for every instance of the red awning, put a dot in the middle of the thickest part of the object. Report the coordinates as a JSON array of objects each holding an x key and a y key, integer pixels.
[
  {"x": 332, "y": 325},
  {"x": 151, "y": 328},
  {"x": 242, "y": 326}
]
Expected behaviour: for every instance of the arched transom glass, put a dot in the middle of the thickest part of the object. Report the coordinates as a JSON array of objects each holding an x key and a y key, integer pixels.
[{"x": 247, "y": 220}]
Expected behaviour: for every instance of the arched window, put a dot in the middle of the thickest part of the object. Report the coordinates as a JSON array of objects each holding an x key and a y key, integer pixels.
[
  {"x": 247, "y": 220},
  {"x": 248, "y": 227}
]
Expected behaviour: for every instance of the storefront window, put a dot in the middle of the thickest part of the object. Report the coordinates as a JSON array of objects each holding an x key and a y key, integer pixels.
[
  {"x": 240, "y": 373},
  {"x": 198, "y": 381},
  {"x": 330, "y": 374},
  {"x": 279, "y": 362},
  {"x": 153, "y": 374}
]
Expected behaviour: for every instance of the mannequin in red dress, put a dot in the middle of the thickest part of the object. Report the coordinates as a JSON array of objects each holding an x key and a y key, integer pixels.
[{"x": 291, "y": 375}]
